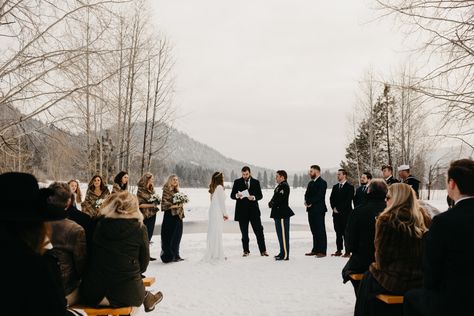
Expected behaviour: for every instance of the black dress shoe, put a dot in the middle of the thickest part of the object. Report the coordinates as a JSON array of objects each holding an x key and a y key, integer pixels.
[
  {"x": 281, "y": 258},
  {"x": 276, "y": 256},
  {"x": 246, "y": 254},
  {"x": 178, "y": 259},
  {"x": 152, "y": 259},
  {"x": 264, "y": 254}
]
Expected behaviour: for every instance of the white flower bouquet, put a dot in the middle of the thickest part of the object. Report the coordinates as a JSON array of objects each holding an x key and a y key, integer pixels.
[
  {"x": 98, "y": 203},
  {"x": 155, "y": 199},
  {"x": 180, "y": 198}
]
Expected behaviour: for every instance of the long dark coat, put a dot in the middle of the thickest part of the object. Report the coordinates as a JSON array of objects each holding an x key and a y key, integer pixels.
[
  {"x": 360, "y": 235},
  {"x": 120, "y": 254},
  {"x": 244, "y": 208}
]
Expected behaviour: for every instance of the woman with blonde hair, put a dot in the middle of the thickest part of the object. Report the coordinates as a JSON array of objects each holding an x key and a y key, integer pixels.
[
  {"x": 217, "y": 216},
  {"x": 399, "y": 231},
  {"x": 148, "y": 202},
  {"x": 76, "y": 190},
  {"x": 97, "y": 192},
  {"x": 120, "y": 254},
  {"x": 172, "y": 226}
]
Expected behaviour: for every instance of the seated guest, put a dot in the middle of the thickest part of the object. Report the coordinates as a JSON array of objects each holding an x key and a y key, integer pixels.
[
  {"x": 68, "y": 239},
  {"x": 448, "y": 276},
  {"x": 31, "y": 281},
  {"x": 86, "y": 222},
  {"x": 120, "y": 253},
  {"x": 360, "y": 231},
  {"x": 399, "y": 231}
]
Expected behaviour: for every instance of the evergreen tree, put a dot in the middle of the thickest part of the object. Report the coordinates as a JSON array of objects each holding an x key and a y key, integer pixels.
[
  {"x": 259, "y": 177},
  {"x": 233, "y": 176},
  {"x": 272, "y": 182},
  {"x": 296, "y": 182},
  {"x": 265, "y": 180}
]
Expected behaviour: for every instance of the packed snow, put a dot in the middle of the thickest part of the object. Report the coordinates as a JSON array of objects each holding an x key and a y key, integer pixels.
[{"x": 253, "y": 285}]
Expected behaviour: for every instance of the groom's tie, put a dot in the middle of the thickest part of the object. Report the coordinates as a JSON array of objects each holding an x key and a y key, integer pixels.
[{"x": 247, "y": 183}]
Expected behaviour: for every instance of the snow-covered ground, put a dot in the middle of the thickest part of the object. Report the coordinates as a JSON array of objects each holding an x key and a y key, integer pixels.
[{"x": 254, "y": 285}]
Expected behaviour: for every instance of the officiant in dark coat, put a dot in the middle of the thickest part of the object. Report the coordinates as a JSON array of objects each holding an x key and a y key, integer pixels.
[{"x": 247, "y": 192}]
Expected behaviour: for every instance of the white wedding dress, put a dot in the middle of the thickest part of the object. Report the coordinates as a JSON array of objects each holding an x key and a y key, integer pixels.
[{"x": 217, "y": 211}]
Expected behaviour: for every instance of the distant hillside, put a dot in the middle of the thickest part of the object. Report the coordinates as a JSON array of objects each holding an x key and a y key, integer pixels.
[
  {"x": 52, "y": 153},
  {"x": 182, "y": 148}
]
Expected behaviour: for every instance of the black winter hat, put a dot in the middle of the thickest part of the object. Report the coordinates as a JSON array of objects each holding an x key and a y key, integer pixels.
[{"x": 21, "y": 200}]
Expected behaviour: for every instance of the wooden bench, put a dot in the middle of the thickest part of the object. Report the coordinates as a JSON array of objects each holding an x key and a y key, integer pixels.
[
  {"x": 113, "y": 311},
  {"x": 356, "y": 276},
  {"x": 390, "y": 299},
  {"x": 148, "y": 281},
  {"x": 100, "y": 311}
]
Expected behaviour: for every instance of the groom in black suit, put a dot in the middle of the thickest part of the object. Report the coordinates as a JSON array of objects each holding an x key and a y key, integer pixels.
[{"x": 247, "y": 210}]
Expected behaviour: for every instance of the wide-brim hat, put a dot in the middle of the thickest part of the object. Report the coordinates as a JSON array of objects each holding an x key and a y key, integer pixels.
[{"x": 23, "y": 200}]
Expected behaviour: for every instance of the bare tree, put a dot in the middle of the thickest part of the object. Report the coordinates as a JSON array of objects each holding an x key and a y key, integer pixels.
[{"x": 446, "y": 30}]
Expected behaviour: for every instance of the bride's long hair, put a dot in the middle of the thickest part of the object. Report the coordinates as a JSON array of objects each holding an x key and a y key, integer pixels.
[{"x": 216, "y": 180}]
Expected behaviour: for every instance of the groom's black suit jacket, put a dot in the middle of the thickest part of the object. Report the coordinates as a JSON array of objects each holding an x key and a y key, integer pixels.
[{"x": 244, "y": 208}]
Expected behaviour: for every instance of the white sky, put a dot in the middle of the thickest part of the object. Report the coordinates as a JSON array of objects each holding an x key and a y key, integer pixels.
[{"x": 273, "y": 82}]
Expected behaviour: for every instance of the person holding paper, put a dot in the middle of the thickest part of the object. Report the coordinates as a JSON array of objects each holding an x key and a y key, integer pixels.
[{"x": 247, "y": 192}]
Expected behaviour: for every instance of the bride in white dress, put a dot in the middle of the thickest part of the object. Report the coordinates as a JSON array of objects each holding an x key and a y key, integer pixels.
[{"x": 217, "y": 216}]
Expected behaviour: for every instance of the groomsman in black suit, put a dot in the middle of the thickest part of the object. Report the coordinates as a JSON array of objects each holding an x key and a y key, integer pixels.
[
  {"x": 315, "y": 202},
  {"x": 247, "y": 192},
  {"x": 281, "y": 213},
  {"x": 341, "y": 198},
  {"x": 361, "y": 192},
  {"x": 387, "y": 172}
]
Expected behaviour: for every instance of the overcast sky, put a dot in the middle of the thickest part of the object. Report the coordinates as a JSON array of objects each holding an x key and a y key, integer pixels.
[{"x": 273, "y": 83}]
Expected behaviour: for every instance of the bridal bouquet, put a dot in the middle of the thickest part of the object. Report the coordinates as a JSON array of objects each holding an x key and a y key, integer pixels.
[
  {"x": 98, "y": 203},
  {"x": 180, "y": 198},
  {"x": 155, "y": 199}
]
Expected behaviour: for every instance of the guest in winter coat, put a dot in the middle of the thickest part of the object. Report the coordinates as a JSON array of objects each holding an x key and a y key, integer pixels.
[
  {"x": 30, "y": 281},
  {"x": 360, "y": 231},
  {"x": 448, "y": 276},
  {"x": 148, "y": 202},
  {"x": 120, "y": 253},
  {"x": 84, "y": 220},
  {"x": 399, "y": 234},
  {"x": 69, "y": 244},
  {"x": 76, "y": 190},
  {"x": 97, "y": 192},
  {"x": 120, "y": 182},
  {"x": 172, "y": 226}
]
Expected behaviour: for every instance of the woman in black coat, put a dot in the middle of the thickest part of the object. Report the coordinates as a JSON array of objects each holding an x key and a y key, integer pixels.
[
  {"x": 360, "y": 231},
  {"x": 120, "y": 254}
]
